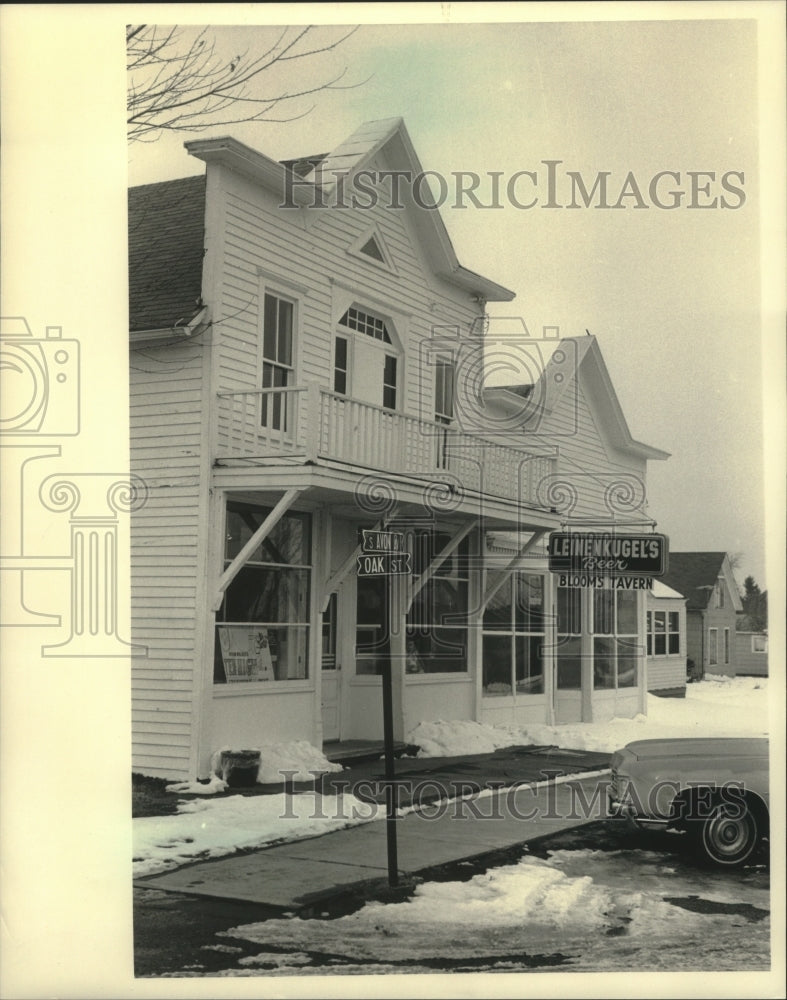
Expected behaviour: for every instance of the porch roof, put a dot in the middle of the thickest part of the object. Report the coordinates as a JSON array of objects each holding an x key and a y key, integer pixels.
[{"x": 365, "y": 497}]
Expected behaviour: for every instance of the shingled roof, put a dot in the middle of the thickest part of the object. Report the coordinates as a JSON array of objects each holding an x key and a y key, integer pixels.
[
  {"x": 166, "y": 238},
  {"x": 694, "y": 575}
]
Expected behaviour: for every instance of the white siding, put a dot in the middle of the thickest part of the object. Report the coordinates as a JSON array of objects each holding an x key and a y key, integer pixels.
[
  {"x": 587, "y": 467},
  {"x": 260, "y": 235},
  {"x": 166, "y": 411}
]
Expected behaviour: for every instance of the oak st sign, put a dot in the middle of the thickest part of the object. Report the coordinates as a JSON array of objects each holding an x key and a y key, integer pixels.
[{"x": 383, "y": 554}]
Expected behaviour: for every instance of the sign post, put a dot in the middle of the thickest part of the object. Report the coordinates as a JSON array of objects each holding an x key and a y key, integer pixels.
[{"x": 384, "y": 555}]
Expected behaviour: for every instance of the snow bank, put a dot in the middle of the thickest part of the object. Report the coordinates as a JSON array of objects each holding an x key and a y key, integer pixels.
[
  {"x": 296, "y": 761},
  {"x": 609, "y": 916},
  {"x": 716, "y": 706},
  {"x": 211, "y": 828}
]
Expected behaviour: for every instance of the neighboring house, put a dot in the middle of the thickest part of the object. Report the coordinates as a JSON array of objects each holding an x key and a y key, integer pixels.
[
  {"x": 751, "y": 646},
  {"x": 666, "y": 641},
  {"x": 712, "y": 604},
  {"x": 301, "y": 375}
]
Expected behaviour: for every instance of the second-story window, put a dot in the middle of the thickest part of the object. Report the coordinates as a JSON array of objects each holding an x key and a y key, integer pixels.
[
  {"x": 719, "y": 593},
  {"x": 444, "y": 390},
  {"x": 340, "y": 366},
  {"x": 389, "y": 382},
  {"x": 277, "y": 368}
]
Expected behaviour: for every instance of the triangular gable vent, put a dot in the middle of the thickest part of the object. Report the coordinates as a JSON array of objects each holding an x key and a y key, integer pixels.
[
  {"x": 371, "y": 246},
  {"x": 372, "y": 249}
]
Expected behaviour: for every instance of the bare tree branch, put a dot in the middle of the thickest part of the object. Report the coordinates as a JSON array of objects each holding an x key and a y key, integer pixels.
[{"x": 182, "y": 85}]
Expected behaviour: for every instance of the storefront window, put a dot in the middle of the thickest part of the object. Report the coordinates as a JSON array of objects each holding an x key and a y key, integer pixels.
[
  {"x": 372, "y": 644},
  {"x": 437, "y": 620},
  {"x": 569, "y": 642},
  {"x": 615, "y": 639},
  {"x": 513, "y": 638},
  {"x": 262, "y": 628}
]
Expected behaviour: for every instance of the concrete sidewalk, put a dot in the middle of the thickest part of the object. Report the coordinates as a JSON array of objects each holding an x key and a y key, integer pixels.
[{"x": 299, "y": 874}]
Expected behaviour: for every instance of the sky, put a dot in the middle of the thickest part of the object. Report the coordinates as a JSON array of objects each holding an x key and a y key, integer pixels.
[{"x": 672, "y": 295}]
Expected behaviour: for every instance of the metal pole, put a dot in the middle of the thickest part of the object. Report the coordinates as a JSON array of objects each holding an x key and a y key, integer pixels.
[{"x": 390, "y": 775}]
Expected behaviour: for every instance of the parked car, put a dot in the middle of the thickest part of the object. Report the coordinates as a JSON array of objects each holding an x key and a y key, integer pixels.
[{"x": 714, "y": 789}]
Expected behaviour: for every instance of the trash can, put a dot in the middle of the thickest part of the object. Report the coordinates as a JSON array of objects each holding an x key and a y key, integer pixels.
[{"x": 239, "y": 768}]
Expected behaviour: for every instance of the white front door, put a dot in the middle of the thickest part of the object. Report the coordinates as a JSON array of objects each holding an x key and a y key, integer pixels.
[
  {"x": 367, "y": 374},
  {"x": 331, "y": 674}
]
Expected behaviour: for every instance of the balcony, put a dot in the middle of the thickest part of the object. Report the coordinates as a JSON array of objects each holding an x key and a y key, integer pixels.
[{"x": 312, "y": 423}]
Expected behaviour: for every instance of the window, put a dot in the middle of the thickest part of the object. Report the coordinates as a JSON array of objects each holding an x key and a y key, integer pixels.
[
  {"x": 759, "y": 644},
  {"x": 437, "y": 622},
  {"x": 372, "y": 644},
  {"x": 726, "y": 645},
  {"x": 673, "y": 632},
  {"x": 615, "y": 638},
  {"x": 277, "y": 329},
  {"x": 663, "y": 633},
  {"x": 513, "y": 638},
  {"x": 569, "y": 641},
  {"x": 364, "y": 322},
  {"x": 444, "y": 390},
  {"x": 340, "y": 366},
  {"x": 262, "y": 627},
  {"x": 713, "y": 646},
  {"x": 443, "y": 405},
  {"x": 720, "y": 593},
  {"x": 389, "y": 382}
]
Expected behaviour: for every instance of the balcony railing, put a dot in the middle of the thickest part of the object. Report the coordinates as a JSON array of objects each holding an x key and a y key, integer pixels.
[{"x": 311, "y": 422}]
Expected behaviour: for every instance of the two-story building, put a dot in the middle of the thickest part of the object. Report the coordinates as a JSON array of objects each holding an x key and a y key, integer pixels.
[{"x": 331, "y": 484}]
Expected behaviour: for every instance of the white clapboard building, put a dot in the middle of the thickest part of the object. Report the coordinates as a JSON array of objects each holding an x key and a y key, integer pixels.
[{"x": 333, "y": 487}]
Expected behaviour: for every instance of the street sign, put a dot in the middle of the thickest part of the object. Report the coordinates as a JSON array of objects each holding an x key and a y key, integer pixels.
[
  {"x": 384, "y": 564},
  {"x": 382, "y": 541},
  {"x": 607, "y": 554}
]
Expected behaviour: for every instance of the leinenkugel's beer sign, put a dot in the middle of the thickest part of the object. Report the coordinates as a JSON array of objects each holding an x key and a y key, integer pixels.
[{"x": 606, "y": 559}]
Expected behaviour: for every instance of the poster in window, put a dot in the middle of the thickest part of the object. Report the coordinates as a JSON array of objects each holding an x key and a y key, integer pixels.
[{"x": 245, "y": 653}]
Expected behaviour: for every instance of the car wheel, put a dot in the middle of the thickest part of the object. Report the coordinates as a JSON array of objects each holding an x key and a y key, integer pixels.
[{"x": 729, "y": 836}]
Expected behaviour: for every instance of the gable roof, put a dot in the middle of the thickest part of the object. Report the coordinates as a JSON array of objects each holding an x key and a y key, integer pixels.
[
  {"x": 694, "y": 575},
  {"x": 553, "y": 384},
  {"x": 166, "y": 238},
  {"x": 352, "y": 155}
]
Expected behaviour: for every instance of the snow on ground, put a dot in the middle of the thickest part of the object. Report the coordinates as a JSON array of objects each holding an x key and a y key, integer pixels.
[
  {"x": 537, "y": 905},
  {"x": 215, "y": 827},
  {"x": 716, "y": 706},
  {"x": 210, "y": 828}
]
